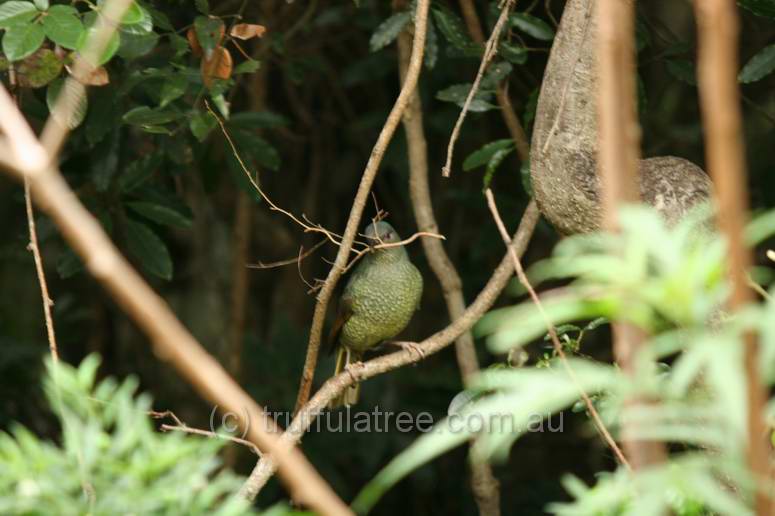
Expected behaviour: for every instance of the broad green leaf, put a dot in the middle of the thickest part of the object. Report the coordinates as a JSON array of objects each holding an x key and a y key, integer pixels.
[
  {"x": 39, "y": 69},
  {"x": 257, "y": 149},
  {"x": 63, "y": 27},
  {"x": 136, "y": 45},
  {"x": 145, "y": 116},
  {"x": 493, "y": 165},
  {"x": 201, "y": 124},
  {"x": 173, "y": 88},
  {"x": 458, "y": 94},
  {"x": 109, "y": 51},
  {"x": 163, "y": 214},
  {"x": 759, "y": 66},
  {"x": 682, "y": 70},
  {"x": 208, "y": 31},
  {"x": 389, "y": 30},
  {"x": 483, "y": 155},
  {"x": 149, "y": 249},
  {"x": 495, "y": 74},
  {"x": 451, "y": 26},
  {"x": 15, "y": 12},
  {"x": 69, "y": 88},
  {"x": 134, "y": 14},
  {"x": 139, "y": 172},
  {"x": 532, "y": 26},
  {"x": 248, "y": 66},
  {"x": 759, "y": 7},
  {"x": 513, "y": 53},
  {"x": 21, "y": 40},
  {"x": 42, "y": 5}
]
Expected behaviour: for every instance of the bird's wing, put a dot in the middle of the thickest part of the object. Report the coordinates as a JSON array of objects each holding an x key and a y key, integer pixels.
[{"x": 344, "y": 312}]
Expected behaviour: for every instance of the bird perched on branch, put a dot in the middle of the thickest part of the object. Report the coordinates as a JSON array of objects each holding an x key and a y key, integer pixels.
[{"x": 378, "y": 302}]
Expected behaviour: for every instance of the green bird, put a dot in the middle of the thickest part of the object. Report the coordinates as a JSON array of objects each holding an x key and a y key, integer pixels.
[{"x": 378, "y": 302}]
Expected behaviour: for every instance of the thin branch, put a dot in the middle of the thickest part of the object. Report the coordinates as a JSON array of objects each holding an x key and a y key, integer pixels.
[
  {"x": 433, "y": 344},
  {"x": 359, "y": 203},
  {"x": 172, "y": 340},
  {"x": 208, "y": 433},
  {"x": 490, "y": 50},
  {"x": 718, "y": 33},
  {"x": 553, "y": 335},
  {"x": 484, "y": 485},
  {"x": 619, "y": 150},
  {"x": 289, "y": 261}
]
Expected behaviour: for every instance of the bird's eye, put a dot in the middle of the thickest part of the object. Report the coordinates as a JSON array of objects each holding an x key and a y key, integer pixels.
[{"x": 389, "y": 234}]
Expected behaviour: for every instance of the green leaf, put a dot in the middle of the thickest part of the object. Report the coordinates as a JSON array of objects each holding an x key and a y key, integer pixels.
[
  {"x": 42, "y": 5},
  {"x": 14, "y": 12},
  {"x": 60, "y": 86},
  {"x": 495, "y": 74},
  {"x": 109, "y": 51},
  {"x": 764, "y": 8},
  {"x": 103, "y": 115},
  {"x": 485, "y": 153},
  {"x": 389, "y": 30},
  {"x": 208, "y": 32},
  {"x": 163, "y": 214},
  {"x": 136, "y": 45},
  {"x": 261, "y": 152},
  {"x": 249, "y": 66},
  {"x": 139, "y": 171},
  {"x": 145, "y": 116},
  {"x": 62, "y": 26},
  {"x": 513, "y": 53},
  {"x": 149, "y": 249},
  {"x": 451, "y": 26},
  {"x": 134, "y": 14},
  {"x": 22, "y": 40},
  {"x": 39, "y": 69},
  {"x": 682, "y": 70},
  {"x": 532, "y": 26},
  {"x": 493, "y": 165},
  {"x": 458, "y": 94},
  {"x": 201, "y": 124},
  {"x": 203, "y": 6},
  {"x": 759, "y": 66},
  {"x": 173, "y": 88}
]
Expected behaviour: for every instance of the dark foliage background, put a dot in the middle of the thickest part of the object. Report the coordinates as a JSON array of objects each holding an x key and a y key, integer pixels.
[{"x": 322, "y": 97}]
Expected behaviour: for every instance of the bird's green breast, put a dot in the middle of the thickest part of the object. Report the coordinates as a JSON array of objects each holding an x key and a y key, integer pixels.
[{"x": 384, "y": 292}]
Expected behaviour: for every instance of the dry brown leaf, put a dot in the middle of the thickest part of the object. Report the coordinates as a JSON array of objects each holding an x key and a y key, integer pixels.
[
  {"x": 193, "y": 41},
  {"x": 219, "y": 66},
  {"x": 98, "y": 76},
  {"x": 247, "y": 31}
]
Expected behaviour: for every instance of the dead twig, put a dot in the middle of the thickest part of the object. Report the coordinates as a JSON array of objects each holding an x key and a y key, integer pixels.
[
  {"x": 289, "y": 261},
  {"x": 208, "y": 433},
  {"x": 553, "y": 334},
  {"x": 490, "y": 50}
]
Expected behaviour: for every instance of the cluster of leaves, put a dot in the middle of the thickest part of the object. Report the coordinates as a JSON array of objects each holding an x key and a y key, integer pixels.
[
  {"x": 671, "y": 283},
  {"x": 145, "y": 116},
  {"x": 111, "y": 460}
]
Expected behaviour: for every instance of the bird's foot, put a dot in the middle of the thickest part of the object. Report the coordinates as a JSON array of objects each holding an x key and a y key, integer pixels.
[
  {"x": 410, "y": 346},
  {"x": 353, "y": 369}
]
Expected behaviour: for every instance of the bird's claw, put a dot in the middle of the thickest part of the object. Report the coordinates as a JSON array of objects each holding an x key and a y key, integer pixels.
[
  {"x": 353, "y": 369},
  {"x": 410, "y": 346}
]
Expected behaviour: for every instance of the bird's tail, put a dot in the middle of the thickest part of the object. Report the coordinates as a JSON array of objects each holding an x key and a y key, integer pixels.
[{"x": 344, "y": 357}]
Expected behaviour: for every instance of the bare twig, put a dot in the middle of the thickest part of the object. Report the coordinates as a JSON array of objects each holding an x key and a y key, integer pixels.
[
  {"x": 290, "y": 261},
  {"x": 553, "y": 334},
  {"x": 433, "y": 344},
  {"x": 359, "y": 203},
  {"x": 484, "y": 485},
  {"x": 208, "y": 433},
  {"x": 172, "y": 340},
  {"x": 718, "y": 31},
  {"x": 490, "y": 50}
]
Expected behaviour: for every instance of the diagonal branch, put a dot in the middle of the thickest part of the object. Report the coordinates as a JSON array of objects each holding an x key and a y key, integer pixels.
[{"x": 359, "y": 203}]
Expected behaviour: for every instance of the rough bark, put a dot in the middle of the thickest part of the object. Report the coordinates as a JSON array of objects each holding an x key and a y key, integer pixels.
[{"x": 565, "y": 139}]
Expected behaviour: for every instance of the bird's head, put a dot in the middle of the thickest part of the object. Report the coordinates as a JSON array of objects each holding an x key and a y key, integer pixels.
[{"x": 381, "y": 232}]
